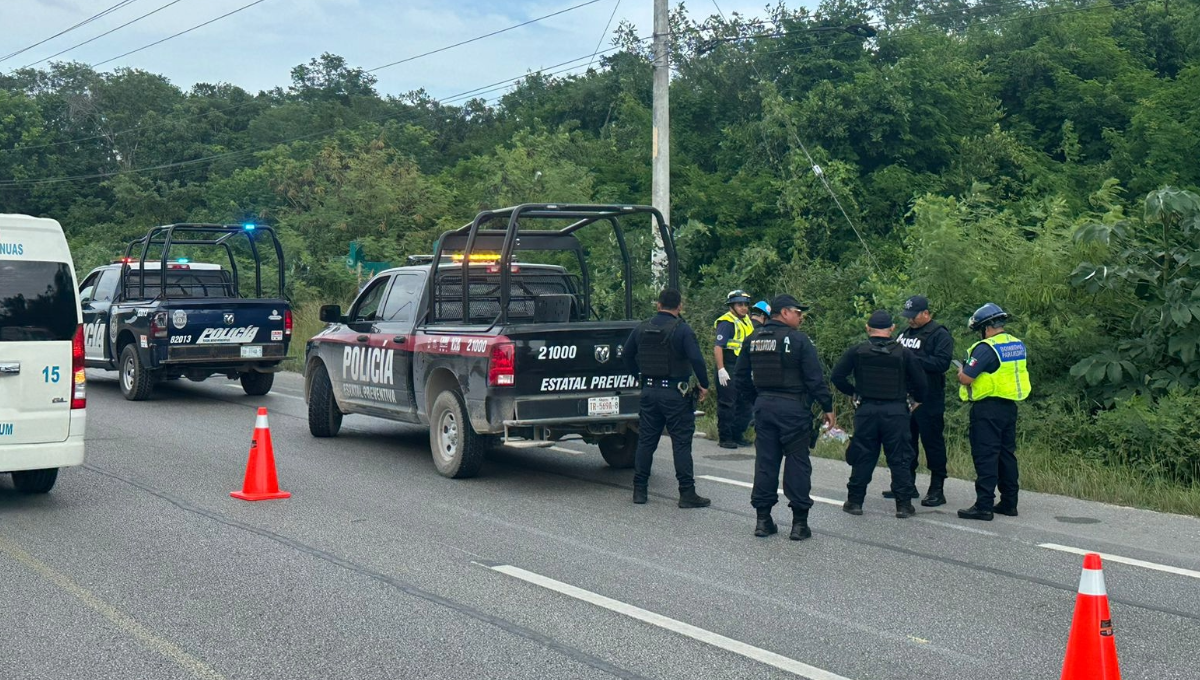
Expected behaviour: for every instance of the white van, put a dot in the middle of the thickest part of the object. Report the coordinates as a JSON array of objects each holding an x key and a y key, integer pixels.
[{"x": 42, "y": 383}]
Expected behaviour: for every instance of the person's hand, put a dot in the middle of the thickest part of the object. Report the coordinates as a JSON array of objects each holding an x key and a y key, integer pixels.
[
  {"x": 703, "y": 393},
  {"x": 830, "y": 420},
  {"x": 723, "y": 377}
]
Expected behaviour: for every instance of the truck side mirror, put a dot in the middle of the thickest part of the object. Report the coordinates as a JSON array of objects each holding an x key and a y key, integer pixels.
[{"x": 331, "y": 313}]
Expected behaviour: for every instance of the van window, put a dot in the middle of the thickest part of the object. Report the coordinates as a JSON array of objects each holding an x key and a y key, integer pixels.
[{"x": 37, "y": 301}]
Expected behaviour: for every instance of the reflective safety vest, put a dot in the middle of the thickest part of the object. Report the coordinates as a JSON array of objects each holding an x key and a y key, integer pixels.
[
  {"x": 1010, "y": 381},
  {"x": 741, "y": 328}
]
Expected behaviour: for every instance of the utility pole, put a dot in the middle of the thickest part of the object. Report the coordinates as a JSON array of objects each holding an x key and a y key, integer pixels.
[{"x": 661, "y": 144}]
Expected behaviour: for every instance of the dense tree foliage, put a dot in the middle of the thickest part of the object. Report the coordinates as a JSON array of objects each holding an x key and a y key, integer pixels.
[{"x": 1040, "y": 155}]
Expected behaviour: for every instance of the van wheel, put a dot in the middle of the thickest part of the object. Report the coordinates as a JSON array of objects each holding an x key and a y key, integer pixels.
[
  {"x": 136, "y": 381},
  {"x": 324, "y": 418},
  {"x": 35, "y": 481},
  {"x": 458, "y": 452},
  {"x": 257, "y": 384},
  {"x": 619, "y": 449}
]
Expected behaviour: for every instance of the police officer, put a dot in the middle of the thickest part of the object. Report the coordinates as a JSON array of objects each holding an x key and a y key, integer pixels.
[
  {"x": 759, "y": 314},
  {"x": 665, "y": 351},
  {"x": 885, "y": 374},
  {"x": 933, "y": 346},
  {"x": 781, "y": 370},
  {"x": 732, "y": 327},
  {"x": 993, "y": 380}
]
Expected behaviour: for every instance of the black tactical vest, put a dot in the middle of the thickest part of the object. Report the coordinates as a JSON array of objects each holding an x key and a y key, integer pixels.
[
  {"x": 771, "y": 366},
  {"x": 879, "y": 371},
  {"x": 916, "y": 341},
  {"x": 656, "y": 358}
]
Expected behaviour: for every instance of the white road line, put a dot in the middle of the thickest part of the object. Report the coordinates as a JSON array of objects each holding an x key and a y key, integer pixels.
[
  {"x": 950, "y": 525},
  {"x": 1123, "y": 560},
  {"x": 272, "y": 394},
  {"x": 748, "y": 485},
  {"x": 708, "y": 637},
  {"x": 563, "y": 449}
]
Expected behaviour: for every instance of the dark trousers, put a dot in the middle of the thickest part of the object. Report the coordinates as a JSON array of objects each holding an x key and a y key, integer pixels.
[
  {"x": 782, "y": 428},
  {"x": 928, "y": 425},
  {"x": 661, "y": 408},
  {"x": 879, "y": 424},
  {"x": 733, "y": 413},
  {"x": 993, "y": 437}
]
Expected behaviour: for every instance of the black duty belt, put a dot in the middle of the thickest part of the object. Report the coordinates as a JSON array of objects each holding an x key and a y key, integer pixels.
[
  {"x": 781, "y": 395},
  {"x": 667, "y": 383}
]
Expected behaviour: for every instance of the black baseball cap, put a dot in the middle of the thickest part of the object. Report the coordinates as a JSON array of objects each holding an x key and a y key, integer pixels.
[
  {"x": 782, "y": 301},
  {"x": 914, "y": 306},
  {"x": 880, "y": 320}
]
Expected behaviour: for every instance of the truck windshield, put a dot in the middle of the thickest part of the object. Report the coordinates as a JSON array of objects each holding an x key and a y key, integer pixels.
[{"x": 37, "y": 301}]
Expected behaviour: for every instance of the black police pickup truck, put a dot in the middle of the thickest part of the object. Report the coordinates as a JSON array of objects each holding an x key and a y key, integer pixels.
[
  {"x": 168, "y": 317},
  {"x": 514, "y": 356}
]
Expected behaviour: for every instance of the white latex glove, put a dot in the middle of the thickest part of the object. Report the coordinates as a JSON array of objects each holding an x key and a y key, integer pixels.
[{"x": 723, "y": 377}]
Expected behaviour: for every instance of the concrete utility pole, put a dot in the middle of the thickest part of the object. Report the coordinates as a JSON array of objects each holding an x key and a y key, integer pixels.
[{"x": 661, "y": 181}]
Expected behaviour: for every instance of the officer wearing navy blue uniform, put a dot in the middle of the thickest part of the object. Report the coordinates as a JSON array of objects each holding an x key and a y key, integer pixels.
[
  {"x": 780, "y": 368},
  {"x": 665, "y": 352},
  {"x": 885, "y": 374}
]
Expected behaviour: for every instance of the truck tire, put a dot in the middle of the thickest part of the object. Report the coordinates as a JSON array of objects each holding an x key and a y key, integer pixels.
[
  {"x": 324, "y": 418},
  {"x": 35, "y": 481},
  {"x": 458, "y": 452},
  {"x": 619, "y": 449},
  {"x": 257, "y": 384},
  {"x": 136, "y": 381}
]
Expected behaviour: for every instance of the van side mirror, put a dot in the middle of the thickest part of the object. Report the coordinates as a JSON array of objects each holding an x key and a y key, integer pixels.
[{"x": 331, "y": 313}]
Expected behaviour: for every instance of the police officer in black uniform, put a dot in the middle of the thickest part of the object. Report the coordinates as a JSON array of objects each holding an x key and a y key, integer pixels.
[
  {"x": 885, "y": 374},
  {"x": 665, "y": 351},
  {"x": 779, "y": 367},
  {"x": 933, "y": 346}
]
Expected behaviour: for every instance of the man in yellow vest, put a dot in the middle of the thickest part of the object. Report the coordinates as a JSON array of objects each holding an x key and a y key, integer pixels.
[
  {"x": 993, "y": 380},
  {"x": 732, "y": 327}
]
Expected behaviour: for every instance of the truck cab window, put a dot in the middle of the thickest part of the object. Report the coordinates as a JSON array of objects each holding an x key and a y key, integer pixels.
[{"x": 366, "y": 309}]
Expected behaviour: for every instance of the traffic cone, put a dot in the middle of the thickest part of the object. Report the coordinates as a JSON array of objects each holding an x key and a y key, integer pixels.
[
  {"x": 1091, "y": 647},
  {"x": 261, "y": 483}
]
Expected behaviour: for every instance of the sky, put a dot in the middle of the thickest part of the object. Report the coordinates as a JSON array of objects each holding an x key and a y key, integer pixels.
[{"x": 257, "y": 48}]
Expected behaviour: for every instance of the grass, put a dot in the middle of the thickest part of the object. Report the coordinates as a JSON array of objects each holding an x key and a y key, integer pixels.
[{"x": 305, "y": 324}]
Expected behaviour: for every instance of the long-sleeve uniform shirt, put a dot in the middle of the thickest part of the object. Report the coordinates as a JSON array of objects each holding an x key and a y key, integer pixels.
[
  {"x": 804, "y": 355},
  {"x": 683, "y": 342},
  {"x": 914, "y": 373},
  {"x": 934, "y": 353}
]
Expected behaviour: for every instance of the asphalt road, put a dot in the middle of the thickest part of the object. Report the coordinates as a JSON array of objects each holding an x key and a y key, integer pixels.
[{"x": 140, "y": 565}]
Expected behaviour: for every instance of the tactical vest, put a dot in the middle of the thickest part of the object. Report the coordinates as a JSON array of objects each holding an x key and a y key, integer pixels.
[
  {"x": 656, "y": 357},
  {"x": 916, "y": 341},
  {"x": 1010, "y": 381},
  {"x": 879, "y": 371},
  {"x": 741, "y": 328},
  {"x": 769, "y": 348}
]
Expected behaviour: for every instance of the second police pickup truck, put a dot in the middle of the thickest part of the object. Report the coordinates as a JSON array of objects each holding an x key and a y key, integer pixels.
[
  {"x": 169, "y": 317},
  {"x": 515, "y": 356}
]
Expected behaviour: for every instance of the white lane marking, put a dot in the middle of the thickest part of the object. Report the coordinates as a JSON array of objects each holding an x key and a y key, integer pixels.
[
  {"x": 748, "y": 485},
  {"x": 272, "y": 394},
  {"x": 563, "y": 449},
  {"x": 1123, "y": 560},
  {"x": 951, "y": 525},
  {"x": 706, "y": 636}
]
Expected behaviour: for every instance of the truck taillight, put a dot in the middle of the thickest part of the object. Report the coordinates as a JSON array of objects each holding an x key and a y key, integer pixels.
[
  {"x": 158, "y": 325},
  {"x": 78, "y": 377},
  {"x": 287, "y": 322},
  {"x": 502, "y": 370}
]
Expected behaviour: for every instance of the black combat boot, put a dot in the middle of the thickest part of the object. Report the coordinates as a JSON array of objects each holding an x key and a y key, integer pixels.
[
  {"x": 935, "y": 497},
  {"x": 639, "y": 494},
  {"x": 800, "y": 530},
  {"x": 765, "y": 526},
  {"x": 852, "y": 507},
  {"x": 905, "y": 509},
  {"x": 889, "y": 495},
  {"x": 974, "y": 512},
  {"x": 1009, "y": 509},
  {"x": 688, "y": 498}
]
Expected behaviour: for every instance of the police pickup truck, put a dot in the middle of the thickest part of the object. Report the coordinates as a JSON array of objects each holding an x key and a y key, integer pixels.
[
  {"x": 165, "y": 319},
  {"x": 486, "y": 349}
]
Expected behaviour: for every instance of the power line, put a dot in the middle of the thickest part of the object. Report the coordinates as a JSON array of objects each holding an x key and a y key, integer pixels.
[
  {"x": 605, "y": 31},
  {"x": 108, "y": 32},
  {"x": 85, "y": 22},
  {"x": 185, "y": 32}
]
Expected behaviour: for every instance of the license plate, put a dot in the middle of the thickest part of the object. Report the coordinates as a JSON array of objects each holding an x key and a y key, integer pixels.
[
  {"x": 251, "y": 351},
  {"x": 604, "y": 406}
]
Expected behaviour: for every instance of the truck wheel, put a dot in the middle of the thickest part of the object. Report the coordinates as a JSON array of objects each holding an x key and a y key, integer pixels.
[
  {"x": 35, "y": 481},
  {"x": 136, "y": 381},
  {"x": 619, "y": 449},
  {"x": 458, "y": 452},
  {"x": 324, "y": 418},
  {"x": 257, "y": 384}
]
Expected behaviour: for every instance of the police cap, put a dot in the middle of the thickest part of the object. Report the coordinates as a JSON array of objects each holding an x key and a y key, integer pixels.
[
  {"x": 783, "y": 301},
  {"x": 914, "y": 306},
  {"x": 880, "y": 320}
]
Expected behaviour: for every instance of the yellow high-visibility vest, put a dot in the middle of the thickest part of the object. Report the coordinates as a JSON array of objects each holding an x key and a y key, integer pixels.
[
  {"x": 1010, "y": 381},
  {"x": 741, "y": 328}
]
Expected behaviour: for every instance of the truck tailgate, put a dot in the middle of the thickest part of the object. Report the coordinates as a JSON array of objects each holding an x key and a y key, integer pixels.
[{"x": 226, "y": 329}]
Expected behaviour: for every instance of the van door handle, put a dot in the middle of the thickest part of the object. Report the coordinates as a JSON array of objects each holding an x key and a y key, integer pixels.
[
  {"x": 12, "y": 368},
  {"x": 364, "y": 338},
  {"x": 399, "y": 339}
]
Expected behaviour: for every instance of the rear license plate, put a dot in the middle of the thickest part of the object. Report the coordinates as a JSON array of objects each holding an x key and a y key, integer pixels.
[
  {"x": 251, "y": 351},
  {"x": 604, "y": 406}
]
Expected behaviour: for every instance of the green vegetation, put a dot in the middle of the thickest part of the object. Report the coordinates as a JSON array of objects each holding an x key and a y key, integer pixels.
[{"x": 1044, "y": 157}]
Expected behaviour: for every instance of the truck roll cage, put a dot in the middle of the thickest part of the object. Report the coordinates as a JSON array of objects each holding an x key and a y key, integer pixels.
[{"x": 200, "y": 234}]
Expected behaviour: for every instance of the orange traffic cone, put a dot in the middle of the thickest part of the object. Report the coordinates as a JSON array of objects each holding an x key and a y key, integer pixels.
[
  {"x": 261, "y": 483},
  {"x": 1091, "y": 648}
]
